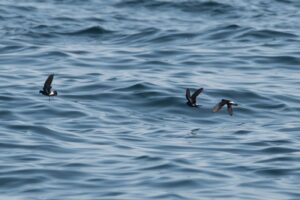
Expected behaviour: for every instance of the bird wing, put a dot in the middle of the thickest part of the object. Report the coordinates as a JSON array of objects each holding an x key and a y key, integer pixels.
[
  {"x": 196, "y": 93},
  {"x": 48, "y": 82},
  {"x": 188, "y": 94},
  {"x": 218, "y": 106},
  {"x": 229, "y": 109}
]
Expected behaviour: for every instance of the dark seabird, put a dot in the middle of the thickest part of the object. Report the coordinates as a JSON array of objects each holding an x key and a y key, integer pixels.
[
  {"x": 223, "y": 102},
  {"x": 191, "y": 100},
  {"x": 47, "y": 87}
]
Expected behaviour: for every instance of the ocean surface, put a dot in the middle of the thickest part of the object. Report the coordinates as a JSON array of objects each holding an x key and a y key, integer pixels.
[{"x": 120, "y": 128}]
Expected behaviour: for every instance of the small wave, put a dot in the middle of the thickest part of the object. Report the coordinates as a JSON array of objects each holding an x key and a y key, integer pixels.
[
  {"x": 167, "y": 196},
  {"x": 234, "y": 31},
  {"x": 286, "y": 60},
  {"x": 225, "y": 32},
  {"x": 242, "y": 132},
  {"x": 64, "y": 19},
  {"x": 148, "y": 158},
  {"x": 91, "y": 31},
  {"x": 279, "y": 150},
  {"x": 185, "y": 6},
  {"x": 140, "y": 3},
  {"x": 275, "y": 172},
  {"x": 22, "y": 8},
  {"x": 136, "y": 87},
  {"x": 41, "y": 147},
  {"x": 172, "y": 37},
  {"x": 12, "y": 49},
  {"x": 277, "y": 160},
  {"x": 265, "y": 34},
  {"x": 141, "y": 36},
  {"x": 39, "y": 31},
  {"x": 94, "y": 19},
  {"x": 45, "y": 27},
  {"x": 207, "y": 6},
  {"x": 56, "y": 54},
  {"x": 152, "y": 36},
  {"x": 178, "y": 183}
]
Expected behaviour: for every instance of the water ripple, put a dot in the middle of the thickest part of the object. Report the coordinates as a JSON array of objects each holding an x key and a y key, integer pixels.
[{"x": 120, "y": 127}]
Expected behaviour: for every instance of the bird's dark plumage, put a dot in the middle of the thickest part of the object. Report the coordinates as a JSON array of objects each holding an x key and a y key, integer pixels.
[
  {"x": 47, "y": 87},
  {"x": 191, "y": 100},
  {"x": 223, "y": 102}
]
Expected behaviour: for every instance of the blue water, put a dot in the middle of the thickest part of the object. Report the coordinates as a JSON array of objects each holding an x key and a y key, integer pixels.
[{"x": 120, "y": 127}]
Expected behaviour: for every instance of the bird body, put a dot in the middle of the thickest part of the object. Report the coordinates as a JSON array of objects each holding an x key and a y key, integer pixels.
[
  {"x": 223, "y": 102},
  {"x": 47, "y": 89},
  {"x": 191, "y": 100}
]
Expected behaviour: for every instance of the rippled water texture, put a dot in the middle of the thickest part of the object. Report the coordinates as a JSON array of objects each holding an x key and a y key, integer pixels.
[{"x": 120, "y": 127}]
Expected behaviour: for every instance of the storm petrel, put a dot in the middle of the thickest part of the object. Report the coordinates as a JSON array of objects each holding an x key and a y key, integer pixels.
[
  {"x": 47, "y": 87},
  {"x": 223, "y": 102},
  {"x": 191, "y": 100}
]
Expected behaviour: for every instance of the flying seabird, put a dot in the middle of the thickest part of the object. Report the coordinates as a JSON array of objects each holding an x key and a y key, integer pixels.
[
  {"x": 191, "y": 100},
  {"x": 229, "y": 104},
  {"x": 47, "y": 87}
]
